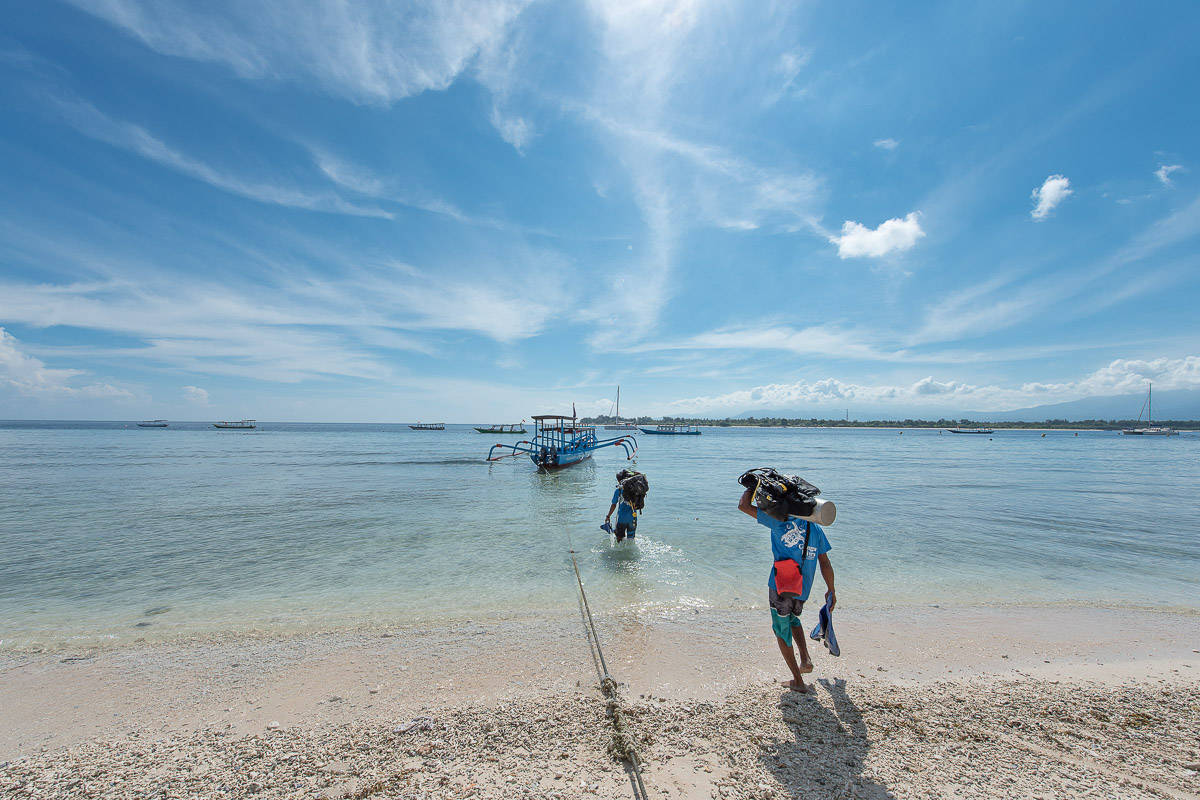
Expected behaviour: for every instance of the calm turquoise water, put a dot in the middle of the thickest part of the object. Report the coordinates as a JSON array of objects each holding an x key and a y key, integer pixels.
[{"x": 116, "y": 532}]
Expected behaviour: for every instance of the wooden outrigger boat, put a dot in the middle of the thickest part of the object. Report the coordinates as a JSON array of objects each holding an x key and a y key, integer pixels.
[
  {"x": 560, "y": 442},
  {"x": 516, "y": 427},
  {"x": 673, "y": 430},
  {"x": 429, "y": 426},
  {"x": 240, "y": 425}
]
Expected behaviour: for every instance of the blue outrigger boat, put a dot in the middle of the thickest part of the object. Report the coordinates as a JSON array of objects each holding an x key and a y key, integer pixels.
[{"x": 560, "y": 442}]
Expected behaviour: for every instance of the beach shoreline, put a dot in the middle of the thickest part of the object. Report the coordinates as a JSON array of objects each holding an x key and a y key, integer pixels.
[{"x": 169, "y": 707}]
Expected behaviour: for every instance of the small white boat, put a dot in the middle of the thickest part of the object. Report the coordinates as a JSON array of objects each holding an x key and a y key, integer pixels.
[
  {"x": 240, "y": 425},
  {"x": 618, "y": 425},
  {"x": 1150, "y": 429},
  {"x": 429, "y": 426},
  {"x": 153, "y": 423}
]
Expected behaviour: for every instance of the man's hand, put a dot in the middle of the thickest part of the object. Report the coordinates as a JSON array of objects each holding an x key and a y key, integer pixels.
[{"x": 831, "y": 599}]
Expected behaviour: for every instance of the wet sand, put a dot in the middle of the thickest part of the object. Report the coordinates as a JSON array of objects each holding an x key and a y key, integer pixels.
[{"x": 923, "y": 702}]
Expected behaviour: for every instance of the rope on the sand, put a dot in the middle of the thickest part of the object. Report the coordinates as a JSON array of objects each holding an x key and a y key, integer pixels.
[{"x": 621, "y": 745}]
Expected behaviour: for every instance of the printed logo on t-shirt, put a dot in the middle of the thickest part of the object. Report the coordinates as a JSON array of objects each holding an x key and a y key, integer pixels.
[{"x": 793, "y": 535}]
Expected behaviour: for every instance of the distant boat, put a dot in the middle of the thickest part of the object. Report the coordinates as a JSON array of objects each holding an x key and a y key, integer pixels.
[
  {"x": 970, "y": 430},
  {"x": 429, "y": 426},
  {"x": 153, "y": 423},
  {"x": 240, "y": 425},
  {"x": 516, "y": 427},
  {"x": 1149, "y": 430},
  {"x": 618, "y": 425},
  {"x": 673, "y": 430}
]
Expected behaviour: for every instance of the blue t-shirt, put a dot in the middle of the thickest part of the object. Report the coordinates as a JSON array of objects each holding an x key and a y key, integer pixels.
[
  {"x": 787, "y": 538},
  {"x": 625, "y": 512}
]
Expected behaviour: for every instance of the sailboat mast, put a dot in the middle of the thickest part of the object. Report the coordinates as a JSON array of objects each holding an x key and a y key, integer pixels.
[
  {"x": 1150, "y": 407},
  {"x": 618, "y": 404}
]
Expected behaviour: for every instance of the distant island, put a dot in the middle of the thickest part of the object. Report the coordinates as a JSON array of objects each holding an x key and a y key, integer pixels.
[{"x": 781, "y": 422}]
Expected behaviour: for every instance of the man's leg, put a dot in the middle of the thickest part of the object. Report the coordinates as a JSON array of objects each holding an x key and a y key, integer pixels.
[
  {"x": 806, "y": 665},
  {"x": 789, "y": 656}
]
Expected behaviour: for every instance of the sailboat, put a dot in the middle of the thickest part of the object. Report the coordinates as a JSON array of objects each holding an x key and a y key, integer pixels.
[
  {"x": 1150, "y": 429},
  {"x": 618, "y": 425}
]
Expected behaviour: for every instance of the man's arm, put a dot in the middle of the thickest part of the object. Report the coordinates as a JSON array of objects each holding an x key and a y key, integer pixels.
[
  {"x": 747, "y": 507},
  {"x": 611, "y": 509},
  {"x": 827, "y": 575}
]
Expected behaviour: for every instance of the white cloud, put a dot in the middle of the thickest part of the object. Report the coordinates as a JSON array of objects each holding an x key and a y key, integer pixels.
[
  {"x": 1055, "y": 189},
  {"x": 1163, "y": 173},
  {"x": 513, "y": 129},
  {"x": 1117, "y": 378},
  {"x": 895, "y": 235},
  {"x": 365, "y": 51},
  {"x": 887, "y": 144},
  {"x": 30, "y": 376},
  {"x": 196, "y": 396}
]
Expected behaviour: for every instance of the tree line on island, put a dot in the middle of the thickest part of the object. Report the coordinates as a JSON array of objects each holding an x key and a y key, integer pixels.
[{"x": 783, "y": 422}]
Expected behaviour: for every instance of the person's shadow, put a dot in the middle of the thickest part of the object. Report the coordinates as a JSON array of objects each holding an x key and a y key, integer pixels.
[{"x": 826, "y": 756}]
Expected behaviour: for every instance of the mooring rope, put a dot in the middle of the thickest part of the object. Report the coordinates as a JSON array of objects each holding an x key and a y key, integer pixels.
[{"x": 621, "y": 744}]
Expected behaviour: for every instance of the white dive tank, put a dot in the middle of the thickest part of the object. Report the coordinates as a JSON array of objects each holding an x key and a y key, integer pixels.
[{"x": 824, "y": 514}]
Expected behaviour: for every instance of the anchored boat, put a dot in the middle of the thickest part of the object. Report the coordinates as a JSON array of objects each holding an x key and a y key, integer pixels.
[
  {"x": 618, "y": 425},
  {"x": 1150, "y": 429},
  {"x": 560, "y": 441},
  {"x": 240, "y": 425},
  {"x": 516, "y": 427},
  {"x": 153, "y": 423},
  {"x": 429, "y": 426},
  {"x": 970, "y": 430},
  {"x": 673, "y": 430}
]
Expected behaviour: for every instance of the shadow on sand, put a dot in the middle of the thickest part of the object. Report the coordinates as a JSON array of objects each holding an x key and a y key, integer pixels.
[{"x": 829, "y": 749}]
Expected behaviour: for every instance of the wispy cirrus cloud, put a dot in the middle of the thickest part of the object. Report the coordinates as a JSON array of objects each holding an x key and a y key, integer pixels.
[
  {"x": 92, "y": 122},
  {"x": 1046, "y": 197},
  {"x": 886, "y": 144},
  {"x": 892, "y": 236},
  {"x": 816, "y": 340},
  {"x": 366, "y": 52}
]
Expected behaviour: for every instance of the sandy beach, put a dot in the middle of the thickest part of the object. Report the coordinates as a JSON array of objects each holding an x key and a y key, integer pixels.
[{"x": 924, "y": 702}]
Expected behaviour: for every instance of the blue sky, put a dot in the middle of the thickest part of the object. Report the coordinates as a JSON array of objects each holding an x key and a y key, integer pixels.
[{"x": 479, "y": 211}]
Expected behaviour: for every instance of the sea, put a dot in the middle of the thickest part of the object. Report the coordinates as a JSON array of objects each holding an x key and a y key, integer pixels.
[{"x": 111, "y": 533}]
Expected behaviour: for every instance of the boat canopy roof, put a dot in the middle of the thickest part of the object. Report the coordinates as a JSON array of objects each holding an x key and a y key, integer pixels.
[{"x": 551, "y": 416}]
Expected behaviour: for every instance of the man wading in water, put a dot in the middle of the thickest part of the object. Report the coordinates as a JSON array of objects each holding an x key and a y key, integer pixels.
[{"x": 797, "y": 546}]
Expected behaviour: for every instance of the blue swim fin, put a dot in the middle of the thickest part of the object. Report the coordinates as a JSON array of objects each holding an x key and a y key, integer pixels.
[{"x": 831, "y": 643}]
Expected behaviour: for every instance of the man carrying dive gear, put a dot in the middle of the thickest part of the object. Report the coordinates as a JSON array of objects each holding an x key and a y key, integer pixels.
[{"x": 628, "y": 499}]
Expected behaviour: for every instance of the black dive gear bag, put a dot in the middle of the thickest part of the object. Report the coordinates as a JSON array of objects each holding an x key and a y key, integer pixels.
[
  {"x": 633, "y": 488},
  {"x": 780, "y": 496}
]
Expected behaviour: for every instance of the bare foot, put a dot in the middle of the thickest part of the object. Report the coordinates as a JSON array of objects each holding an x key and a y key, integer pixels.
[
  {"x": 806, "y": 667},
  {"x": 796, "y": 686}
]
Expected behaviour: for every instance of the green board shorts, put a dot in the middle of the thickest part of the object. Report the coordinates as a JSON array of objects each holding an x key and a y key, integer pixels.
[{"x": 785, "y": 614}]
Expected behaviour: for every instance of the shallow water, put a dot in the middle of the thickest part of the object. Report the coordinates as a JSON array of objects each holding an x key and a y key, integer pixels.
[{"x": 112, "y": 531}]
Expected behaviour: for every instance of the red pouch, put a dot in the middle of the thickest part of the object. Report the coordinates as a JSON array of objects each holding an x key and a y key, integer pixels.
[{"x": 788, "y": 580}]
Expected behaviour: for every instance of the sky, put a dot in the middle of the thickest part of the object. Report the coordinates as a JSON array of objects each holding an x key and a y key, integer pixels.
[{"x": 479, "y": 211}]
